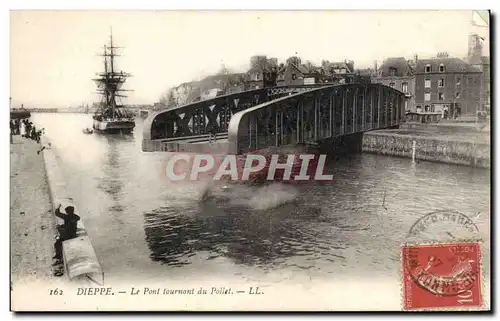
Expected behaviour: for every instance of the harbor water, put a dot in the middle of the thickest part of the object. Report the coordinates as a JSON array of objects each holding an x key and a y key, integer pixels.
[{"x": 143, "y": 227}]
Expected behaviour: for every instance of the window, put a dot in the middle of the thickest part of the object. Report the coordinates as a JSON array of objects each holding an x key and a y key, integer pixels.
[
  {"x": 427, "y": 108},
  {"x": 441, "y": 82},
  {"x": 457, "y": 95},
  {"x": 427, "y": 96},
  {"x": 392, "y": 71},
  {"x": 441, "y": 68},
  {"x": 294, "y": 76},
  {"x": 440, "y": 96},
  {"x": 404, "y": 87},
  {"x": 391, "y": 84},
  {"x": 427, "y": 83},
  {"x": 458, "y": 81},
  {"x": 343, "y": 71},
  {"x": 428, "y": 68},
  {"x": 256, "y": 77}
]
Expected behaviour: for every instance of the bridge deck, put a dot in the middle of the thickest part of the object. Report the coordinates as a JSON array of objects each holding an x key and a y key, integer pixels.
[{"x": 276, "y": 116}]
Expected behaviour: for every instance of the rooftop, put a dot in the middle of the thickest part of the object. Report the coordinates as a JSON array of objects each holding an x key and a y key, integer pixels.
[
  {"x": 397, "y": 66},
  {"x": 451, "y": 65}
]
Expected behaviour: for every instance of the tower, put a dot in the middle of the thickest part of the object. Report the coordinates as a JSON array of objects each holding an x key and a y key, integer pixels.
[{"x": 475, "y": 51}]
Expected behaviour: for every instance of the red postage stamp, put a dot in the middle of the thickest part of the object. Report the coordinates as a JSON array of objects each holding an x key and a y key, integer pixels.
[{"x": 442, "y": 276}]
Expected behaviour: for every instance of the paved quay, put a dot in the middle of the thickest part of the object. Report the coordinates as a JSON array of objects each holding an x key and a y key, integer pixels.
[{"x": 32, "y": 223}]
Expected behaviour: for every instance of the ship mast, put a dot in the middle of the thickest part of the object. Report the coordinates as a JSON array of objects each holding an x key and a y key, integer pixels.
[
  {"x": 106, "y": 92},
  {"x": 112, "y": 58},
  {"x": 111, "y": 81}
]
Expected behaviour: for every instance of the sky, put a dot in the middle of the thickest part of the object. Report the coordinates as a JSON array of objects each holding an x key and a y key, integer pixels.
[{"x": 55, "y": 54}]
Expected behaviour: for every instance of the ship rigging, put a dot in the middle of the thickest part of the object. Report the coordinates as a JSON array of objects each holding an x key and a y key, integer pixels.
[{"x": 111, "y": 117}]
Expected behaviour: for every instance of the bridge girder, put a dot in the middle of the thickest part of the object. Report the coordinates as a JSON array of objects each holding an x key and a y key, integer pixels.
[
  {"x": 304, "y": 110},
  {"x": 316, "y": 115},
  {"x": 199, "y": 117}
]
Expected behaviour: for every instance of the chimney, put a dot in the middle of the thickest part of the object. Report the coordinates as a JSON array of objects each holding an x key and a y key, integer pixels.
[
  {"x": 415, "y": 58},
  {"x": 442, "y": 55},
  {"x": 375, "y": 66}
]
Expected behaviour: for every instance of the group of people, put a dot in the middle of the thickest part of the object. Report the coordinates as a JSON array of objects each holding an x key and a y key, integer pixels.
[
  {"x": 15, "y": 127},
  {"x": 29, "y": 130}
]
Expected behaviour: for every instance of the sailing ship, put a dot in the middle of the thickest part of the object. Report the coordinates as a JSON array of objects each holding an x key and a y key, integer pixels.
[{"x": 111, "y": 117}]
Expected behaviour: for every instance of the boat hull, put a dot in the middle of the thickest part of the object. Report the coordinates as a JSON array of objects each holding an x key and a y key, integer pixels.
[
  {"x": 114, "y": 126},
  {"x": 19, "y": 114}
]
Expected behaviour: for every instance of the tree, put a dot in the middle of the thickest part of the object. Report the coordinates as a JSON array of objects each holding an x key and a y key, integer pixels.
[
  {"x": 171, "y": 101},
  {"x": 294, "y": 60},
  {"x": 223, "y": 70},
  {"x": 168, "y": 99},
  {"x": 309, "y": 65}
]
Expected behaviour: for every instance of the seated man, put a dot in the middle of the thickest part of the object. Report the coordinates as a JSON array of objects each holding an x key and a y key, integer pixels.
[{"x": 68, "y": 230}]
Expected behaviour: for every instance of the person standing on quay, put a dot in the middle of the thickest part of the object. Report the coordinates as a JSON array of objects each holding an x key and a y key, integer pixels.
[{"x": 18, "y": 127}]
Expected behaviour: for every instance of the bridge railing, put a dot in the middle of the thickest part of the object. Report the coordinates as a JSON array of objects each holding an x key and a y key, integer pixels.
[
  {"x": 202, "y": 117},
  {"x": 315, "y": 115}
]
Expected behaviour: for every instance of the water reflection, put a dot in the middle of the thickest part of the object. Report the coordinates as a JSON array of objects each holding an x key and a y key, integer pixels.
[
  {"x": 246, "y": 236},
  {"x": 113, "y": 164}
]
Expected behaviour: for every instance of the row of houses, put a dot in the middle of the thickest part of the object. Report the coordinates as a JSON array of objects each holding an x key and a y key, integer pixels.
[
  {"x": 431, "y": 85},
  {"x": 461, "y": 86},
  {"x": 266, "y": 72}
]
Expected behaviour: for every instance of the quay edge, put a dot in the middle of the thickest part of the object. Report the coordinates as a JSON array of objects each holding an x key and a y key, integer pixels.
[
  {"x": 429, "y": 148},
  {"x": 80, "y": 260}
]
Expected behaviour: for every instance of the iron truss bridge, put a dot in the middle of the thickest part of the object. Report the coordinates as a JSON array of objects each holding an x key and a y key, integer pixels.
[{"x": 277, "y": 116}]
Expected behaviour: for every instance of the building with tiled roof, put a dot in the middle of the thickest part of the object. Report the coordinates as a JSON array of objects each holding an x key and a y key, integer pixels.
[
  {"x": 444, "y": 64},
  {"x": 485, "y": 99},
  {"x": 338, "y": 72},
  {"x": 447, "y": 83},
  {"x": 398, "y": 73},
  {"x": 261, "y": 72},
  {"x": 395, "y": 67},
  {"x": 297, "y": 73}
]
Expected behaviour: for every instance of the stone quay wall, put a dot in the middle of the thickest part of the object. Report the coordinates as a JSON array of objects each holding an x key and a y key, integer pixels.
[
  {"x": 438, "y": 149},
  {"x": 80, "y": 260}
]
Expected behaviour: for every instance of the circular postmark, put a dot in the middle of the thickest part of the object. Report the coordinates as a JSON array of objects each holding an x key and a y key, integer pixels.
[
  {"x": 443, "y": 226},
  {"x": 442, "y": 253}
]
